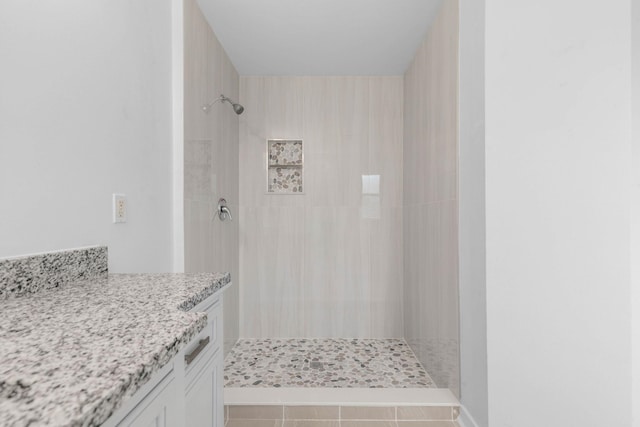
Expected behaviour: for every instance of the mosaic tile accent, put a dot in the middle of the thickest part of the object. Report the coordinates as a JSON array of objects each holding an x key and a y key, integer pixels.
[
  {"x": 288, "y": 153},
  {"x": 33, "y": 273},
  {"x": 443, "y": 354},
  {"x": 285, "y": 180},
  {"x": 71, "y": 356},
  {"x": 284, "y": 174},
  {"x": 324, "y": 362}
]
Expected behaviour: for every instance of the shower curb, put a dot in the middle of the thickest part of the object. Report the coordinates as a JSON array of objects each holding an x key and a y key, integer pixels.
[{"x": 322, "y": 396}]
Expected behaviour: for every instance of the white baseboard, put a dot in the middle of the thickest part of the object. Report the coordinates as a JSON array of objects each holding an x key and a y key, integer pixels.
[
  {"x": 465, "y": 419},
  {"x": 319, "y": 396}
]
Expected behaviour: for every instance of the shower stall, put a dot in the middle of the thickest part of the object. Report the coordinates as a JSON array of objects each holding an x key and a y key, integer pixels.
[{"x": 343, "y": 248}]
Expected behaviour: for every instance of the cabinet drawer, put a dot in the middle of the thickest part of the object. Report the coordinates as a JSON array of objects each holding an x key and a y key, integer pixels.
[
  {"x": 214, "y": 318},
  {"x": 207, "y": 343}
]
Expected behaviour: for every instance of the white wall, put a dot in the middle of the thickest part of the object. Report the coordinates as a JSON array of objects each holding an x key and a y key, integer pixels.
[
  {"x": 85, "y": 111},
  {"x": 635, "y": 211},
  {"x": 327, "y": 263},
  {"x": 557, "y": 204},
  {"x": 471, "y": 187}
]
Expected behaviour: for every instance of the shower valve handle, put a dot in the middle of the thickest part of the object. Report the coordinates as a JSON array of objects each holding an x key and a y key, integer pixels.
[{"x": 223, "y": 210}]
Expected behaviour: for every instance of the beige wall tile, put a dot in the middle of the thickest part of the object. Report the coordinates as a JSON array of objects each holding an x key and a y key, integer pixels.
[
  {"x": 385, "y": 136},
  {"x": 367, "y": 413},
  {"x": 337, "y": 286},
  {"x": 283, "y": 97},
  {"x": 252, "y": 412},
  {"x": 386, "y": 277},
  {"x": 211, "y": 163},
  {"x": 272, "y": 284},
  {"x": 430, "y": 150},
  {"x": 312, "y": 412},
  {"x": 425, "y": 413},
  {"x": 351, "y": 126},
  {"x": 195, "y": 72}
]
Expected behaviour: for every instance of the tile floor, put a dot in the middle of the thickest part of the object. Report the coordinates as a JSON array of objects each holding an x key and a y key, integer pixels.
[
  {"x": 340, "y": 416},
  {"x": 336, "y": 423},
  {"x": 325, "y": 362}
]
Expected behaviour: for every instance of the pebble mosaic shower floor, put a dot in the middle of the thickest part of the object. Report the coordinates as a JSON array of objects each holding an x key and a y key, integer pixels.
[{"x": 326, "y": 362}]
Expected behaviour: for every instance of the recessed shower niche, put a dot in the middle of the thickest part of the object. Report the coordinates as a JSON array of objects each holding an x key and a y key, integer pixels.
[{"x": 285, "y": 166}]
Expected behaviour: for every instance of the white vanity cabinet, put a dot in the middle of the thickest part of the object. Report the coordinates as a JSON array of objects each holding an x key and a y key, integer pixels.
[
  {"x": 157, "y": 409},
  {"x": 188, "y": 390},
  {"x": 204, "y": 405}
]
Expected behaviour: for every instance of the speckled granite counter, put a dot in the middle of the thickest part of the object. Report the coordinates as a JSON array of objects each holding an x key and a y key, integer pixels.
[{"x": 70, "y": 355}]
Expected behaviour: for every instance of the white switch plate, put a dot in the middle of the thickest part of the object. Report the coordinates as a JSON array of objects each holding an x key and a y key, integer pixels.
[{"x": 119, "y": 208}]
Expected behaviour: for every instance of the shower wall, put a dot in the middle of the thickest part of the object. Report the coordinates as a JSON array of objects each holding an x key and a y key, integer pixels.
[
  {"x": 210, "y": 160},
  {"x": 431, "y": 200},
  {"x": 327, "y": 263}
]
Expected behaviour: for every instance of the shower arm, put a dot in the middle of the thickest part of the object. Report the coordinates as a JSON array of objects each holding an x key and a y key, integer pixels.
[
  {"x": 207, "y": 107},
  {"x": 237, "y": 108}
]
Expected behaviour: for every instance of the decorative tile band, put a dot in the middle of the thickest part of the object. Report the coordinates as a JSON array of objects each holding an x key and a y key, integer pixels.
[{"x": 33, "y": 273}]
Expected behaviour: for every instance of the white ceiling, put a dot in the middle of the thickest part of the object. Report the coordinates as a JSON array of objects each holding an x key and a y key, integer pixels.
[{"x": 320, "y": 37}]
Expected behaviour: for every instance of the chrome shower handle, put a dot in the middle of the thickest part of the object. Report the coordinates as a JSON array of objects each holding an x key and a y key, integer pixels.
[
  {"x": 224, "y": 213},
  {"x": 223, "y": 210}
]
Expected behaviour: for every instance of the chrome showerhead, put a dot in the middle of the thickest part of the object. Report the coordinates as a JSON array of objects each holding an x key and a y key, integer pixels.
[{"x": 237, "y": 108}]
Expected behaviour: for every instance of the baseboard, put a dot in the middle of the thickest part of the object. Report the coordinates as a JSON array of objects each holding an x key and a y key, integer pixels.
[{"x": 465, "y": 419}]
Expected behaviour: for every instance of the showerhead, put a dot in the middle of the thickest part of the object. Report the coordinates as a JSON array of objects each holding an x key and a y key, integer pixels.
[{"x": 237, "y": 108}]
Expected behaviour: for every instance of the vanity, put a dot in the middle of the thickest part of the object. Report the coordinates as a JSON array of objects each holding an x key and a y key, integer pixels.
[
  {"x": 188, "y": 390},
  {"x": 81, "y": 347}
]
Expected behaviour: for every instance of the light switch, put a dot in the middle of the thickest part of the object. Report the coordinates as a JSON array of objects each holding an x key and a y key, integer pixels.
[{"x": 119, "y": 208}]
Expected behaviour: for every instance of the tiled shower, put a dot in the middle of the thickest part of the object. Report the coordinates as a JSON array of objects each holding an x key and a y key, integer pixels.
[
  {"x": 344, "y": 195},
  {"x": 327, "y": 262}
]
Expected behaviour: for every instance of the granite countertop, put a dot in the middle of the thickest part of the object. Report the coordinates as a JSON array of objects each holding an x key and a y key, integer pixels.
[{"x": 70, "y": 355}]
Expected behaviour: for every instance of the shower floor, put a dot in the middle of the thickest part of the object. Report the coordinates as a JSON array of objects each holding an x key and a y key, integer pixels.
[{"x": 324, "y": 362}]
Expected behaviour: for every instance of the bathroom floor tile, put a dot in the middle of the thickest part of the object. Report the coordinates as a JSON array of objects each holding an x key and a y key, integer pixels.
[
  {"x": 326, "y": 362},
  {"x": 427, "y": 424},
  {"x": 253, "y": 423},
  {"x": 367, "y": 423},
  {"x": 310, "y": 423}
]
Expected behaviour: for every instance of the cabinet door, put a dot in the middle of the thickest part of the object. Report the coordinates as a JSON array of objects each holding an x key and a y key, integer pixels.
[
  {"x": 155, "y": 410},
  {"x": 204, "y": 407}
]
